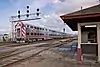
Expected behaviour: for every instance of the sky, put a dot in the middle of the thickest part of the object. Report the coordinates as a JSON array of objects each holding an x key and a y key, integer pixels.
[{"x": 51, "y": 10}]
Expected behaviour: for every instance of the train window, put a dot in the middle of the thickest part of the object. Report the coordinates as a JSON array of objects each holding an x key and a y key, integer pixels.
[
  {"x": 40, "y": 28},
  {"x": 35, "y": 27},
  {"x": 31, "y": 26},
  {"x": 37, "y": 33},
  {"x": 34, "y": 33},
  {"x": 27, "y": 25},
  {"x": 42, "y": 34},
  {"x": 27, "y": 33},
  {"x": 31, "y": 33},
  {"x": 50, "y": 34}
]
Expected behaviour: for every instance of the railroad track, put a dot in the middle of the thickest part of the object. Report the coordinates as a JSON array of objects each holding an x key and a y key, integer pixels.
[
  {"x": 11, "y": 53},
  {"x": 18, "y": 57},
  {"x": 21, "y": 50},
  {"x": 25, "y": 54},
  {"x": 22, "y": 44}
]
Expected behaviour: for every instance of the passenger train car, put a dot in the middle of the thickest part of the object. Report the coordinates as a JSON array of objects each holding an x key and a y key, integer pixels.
[{"x": 28, "y": 32}]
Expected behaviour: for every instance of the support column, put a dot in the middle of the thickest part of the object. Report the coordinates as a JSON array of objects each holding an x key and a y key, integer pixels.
[
  {"x": 98, "y": 40},
  {"x": 79, "y": 50},
  {"x": 12, "y": 31}
]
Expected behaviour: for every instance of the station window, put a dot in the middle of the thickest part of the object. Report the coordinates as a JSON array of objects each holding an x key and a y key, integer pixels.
[{"x": 89, "y": 34}]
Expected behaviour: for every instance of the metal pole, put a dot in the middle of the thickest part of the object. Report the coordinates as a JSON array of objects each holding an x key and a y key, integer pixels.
[{"x": 12, "y": 31}]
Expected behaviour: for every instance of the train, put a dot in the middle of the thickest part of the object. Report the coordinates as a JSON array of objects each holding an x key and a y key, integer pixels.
[{"x": 29, "y": 32}]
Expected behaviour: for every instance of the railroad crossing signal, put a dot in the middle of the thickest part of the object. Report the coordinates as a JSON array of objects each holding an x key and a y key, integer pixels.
[
  {"x": 25, "y": 17},
  {"x": 19, "y": 14},
  {"x": 27, "y": 11},
  {"x": 37, "y": 12}
]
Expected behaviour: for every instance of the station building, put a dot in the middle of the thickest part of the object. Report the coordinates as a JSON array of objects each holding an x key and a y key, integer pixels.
[{"x": 87, "y": 23}]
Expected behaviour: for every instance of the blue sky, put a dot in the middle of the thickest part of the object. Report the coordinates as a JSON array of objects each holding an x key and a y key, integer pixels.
[{"x": 50, "y": 9}]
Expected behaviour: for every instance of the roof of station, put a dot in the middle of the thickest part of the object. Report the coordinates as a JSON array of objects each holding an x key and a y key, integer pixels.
[{"x": 90, "y": 14}]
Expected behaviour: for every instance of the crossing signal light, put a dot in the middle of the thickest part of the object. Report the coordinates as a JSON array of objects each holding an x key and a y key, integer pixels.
[
  {"x": 27, "y": 7},
  {"x": 19, "y": 14},
  {"x": 37, "y": 12},
  {"x": 27, "y": 11},
  {"x": 38, "y": 9},
  {"x": 27, "y": 15}
]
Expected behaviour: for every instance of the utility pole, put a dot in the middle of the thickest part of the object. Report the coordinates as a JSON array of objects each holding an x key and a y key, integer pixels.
[{"x": 23, "y": 17}]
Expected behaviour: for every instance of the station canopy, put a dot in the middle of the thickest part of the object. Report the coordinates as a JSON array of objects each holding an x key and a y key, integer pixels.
[{"x": 91, "y": 14}]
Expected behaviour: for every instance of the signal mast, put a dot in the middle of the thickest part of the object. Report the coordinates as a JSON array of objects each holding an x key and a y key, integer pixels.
[{"x": 23, "y": 17}]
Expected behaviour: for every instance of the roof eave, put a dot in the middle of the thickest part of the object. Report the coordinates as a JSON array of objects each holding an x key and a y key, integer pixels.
[{"x": 64, "y": 17}]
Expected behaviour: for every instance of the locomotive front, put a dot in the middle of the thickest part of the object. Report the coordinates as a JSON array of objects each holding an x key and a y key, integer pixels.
[{"x": 20, "y": 31}]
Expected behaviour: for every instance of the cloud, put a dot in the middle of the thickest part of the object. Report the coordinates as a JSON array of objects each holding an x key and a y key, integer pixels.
[
  {"x": 67, "y": 6},
  {"x": 50, "y": 11}
]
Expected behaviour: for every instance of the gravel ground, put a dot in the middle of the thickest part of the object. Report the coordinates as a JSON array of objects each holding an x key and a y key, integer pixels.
[{"x": 51, "y": 58}]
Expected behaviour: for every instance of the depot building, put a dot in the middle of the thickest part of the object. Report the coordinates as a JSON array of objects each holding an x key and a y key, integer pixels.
[{"x": 87, "y": 23}]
